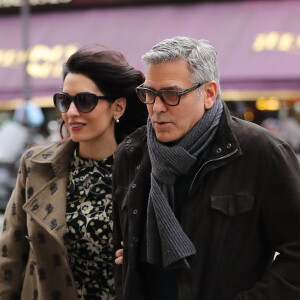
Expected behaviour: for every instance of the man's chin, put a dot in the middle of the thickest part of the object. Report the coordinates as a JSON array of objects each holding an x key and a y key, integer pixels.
[{"x": 166, "y": 138}]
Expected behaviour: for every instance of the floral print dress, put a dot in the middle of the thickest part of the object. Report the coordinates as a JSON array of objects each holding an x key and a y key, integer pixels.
[{"x": 89, "y": 227}]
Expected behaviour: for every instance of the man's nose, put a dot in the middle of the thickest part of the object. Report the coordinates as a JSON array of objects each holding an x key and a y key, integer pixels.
[{"x": 159, "y": 105}]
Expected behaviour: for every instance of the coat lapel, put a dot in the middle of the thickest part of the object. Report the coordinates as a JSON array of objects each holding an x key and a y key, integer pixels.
[{"x": 46, "y": 187}]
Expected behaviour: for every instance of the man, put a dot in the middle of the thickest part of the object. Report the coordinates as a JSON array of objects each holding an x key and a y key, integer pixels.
[{"x": 203, "y": 200}]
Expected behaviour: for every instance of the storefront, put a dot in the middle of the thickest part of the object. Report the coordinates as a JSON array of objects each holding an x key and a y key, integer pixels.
[{"x": 258, "y": 46}]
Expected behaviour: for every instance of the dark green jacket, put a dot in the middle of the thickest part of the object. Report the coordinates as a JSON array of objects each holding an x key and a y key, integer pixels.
[{"x": 243, "y": 206}]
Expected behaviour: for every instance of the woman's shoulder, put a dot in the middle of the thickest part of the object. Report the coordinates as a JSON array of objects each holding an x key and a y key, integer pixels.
[{"x": 46, "y": 148}]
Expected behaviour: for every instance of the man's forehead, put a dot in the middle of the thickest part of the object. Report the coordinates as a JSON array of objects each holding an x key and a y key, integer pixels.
[
  {"x": 168, "y": 66},
  {"x": 169, "y": 87},
  {"x": 172, "y": 74}
]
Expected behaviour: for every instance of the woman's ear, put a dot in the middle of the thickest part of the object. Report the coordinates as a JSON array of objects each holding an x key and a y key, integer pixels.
[
  {"x": 119, "y": 107},
  {"x": 210, "y": 91}
]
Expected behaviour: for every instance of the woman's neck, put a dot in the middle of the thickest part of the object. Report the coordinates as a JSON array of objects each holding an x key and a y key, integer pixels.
[{"x": 96, "y": 151}]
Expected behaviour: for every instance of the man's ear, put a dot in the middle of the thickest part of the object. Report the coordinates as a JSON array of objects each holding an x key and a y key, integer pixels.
[
  {"x": 210, "y": 91},
  {"x": 119, "y": 107}
]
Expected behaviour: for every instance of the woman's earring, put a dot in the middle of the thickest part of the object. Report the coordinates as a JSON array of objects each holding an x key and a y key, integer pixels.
[{"x": 117, "y": 120}]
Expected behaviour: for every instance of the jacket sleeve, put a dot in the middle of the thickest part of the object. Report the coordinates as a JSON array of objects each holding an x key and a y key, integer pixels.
[
  {"x": 281, "y": 219},
  {"x": 117, "y": 229},
  {"x": 13, "y": 244}
]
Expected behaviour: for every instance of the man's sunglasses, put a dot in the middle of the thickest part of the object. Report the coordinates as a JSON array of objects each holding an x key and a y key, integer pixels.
[
  {"x": 84, "y": 102},
  {"x": 168, "y": 97}
]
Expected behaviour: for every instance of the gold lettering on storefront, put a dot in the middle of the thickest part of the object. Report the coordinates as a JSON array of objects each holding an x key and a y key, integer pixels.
[
  {"x": 271, "y": 104},
  {"x": 42, "y": 61},
  {"x": 277, "y": 41}
]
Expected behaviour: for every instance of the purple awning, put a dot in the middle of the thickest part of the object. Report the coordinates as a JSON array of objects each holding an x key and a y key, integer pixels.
[{"x": 258, "y": 43}]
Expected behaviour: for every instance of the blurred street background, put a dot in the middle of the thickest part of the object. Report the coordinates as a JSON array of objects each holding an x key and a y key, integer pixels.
[{"x": 258, "y": 44}]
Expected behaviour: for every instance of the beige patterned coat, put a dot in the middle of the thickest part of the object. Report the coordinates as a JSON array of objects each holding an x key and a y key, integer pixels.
[{"x": 33, "y": 260}]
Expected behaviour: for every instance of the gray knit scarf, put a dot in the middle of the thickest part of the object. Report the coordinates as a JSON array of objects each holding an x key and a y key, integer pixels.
[{"x": 166, "y": 242}]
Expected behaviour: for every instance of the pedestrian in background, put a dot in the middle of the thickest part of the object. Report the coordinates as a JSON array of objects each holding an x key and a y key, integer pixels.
[
  {"x": 203, "y": 200},
  {"x": 57, "y": 237}
]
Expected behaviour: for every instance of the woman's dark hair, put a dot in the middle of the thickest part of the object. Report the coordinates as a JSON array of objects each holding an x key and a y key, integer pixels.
[{"x": 115, "y": 78}]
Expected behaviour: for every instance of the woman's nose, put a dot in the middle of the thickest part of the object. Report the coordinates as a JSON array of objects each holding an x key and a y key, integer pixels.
[{"x": 72, "y": 110}]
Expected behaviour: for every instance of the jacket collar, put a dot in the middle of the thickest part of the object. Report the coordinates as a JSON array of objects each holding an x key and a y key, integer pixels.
[
  {"x": 47, "y": 204},
  {"x": 55, "y": 155},
  {"x": 225, "y": 143}
]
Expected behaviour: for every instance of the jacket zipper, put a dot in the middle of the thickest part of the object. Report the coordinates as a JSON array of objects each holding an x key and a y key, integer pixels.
[{"x": 209, "y": 161}]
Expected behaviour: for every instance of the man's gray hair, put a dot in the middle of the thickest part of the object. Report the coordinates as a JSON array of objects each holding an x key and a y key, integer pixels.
[{"x": 199, "y": 54}]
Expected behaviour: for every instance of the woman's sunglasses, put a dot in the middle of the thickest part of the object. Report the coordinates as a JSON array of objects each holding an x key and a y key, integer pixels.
[{"x": 84, "y": 102}]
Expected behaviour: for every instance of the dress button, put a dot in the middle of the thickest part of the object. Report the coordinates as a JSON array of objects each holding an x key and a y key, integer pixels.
[
  {"x": 219, "y": 150},
  {"x": 131, "y": 149},
  {"x": 228, "y": 146},
  {"x": 128, "y": 141},
  {"x": 135, "y": 211},
  {"x": 133, "y": 186},
  {"x": 137, "y": 167}
]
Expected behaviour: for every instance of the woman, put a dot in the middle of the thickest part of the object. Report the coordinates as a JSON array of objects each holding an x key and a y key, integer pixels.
[{"x": 56, "y": 240}]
